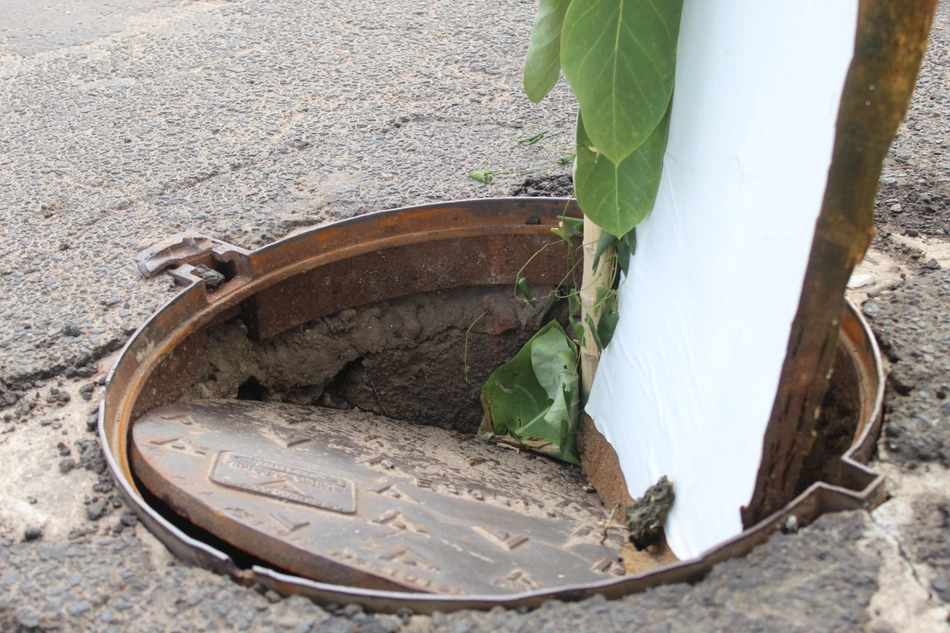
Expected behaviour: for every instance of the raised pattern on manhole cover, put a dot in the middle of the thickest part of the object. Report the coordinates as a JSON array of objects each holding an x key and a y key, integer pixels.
[
  {"x": 351, "y": 498},
  {"x": 280, "y": 481}
]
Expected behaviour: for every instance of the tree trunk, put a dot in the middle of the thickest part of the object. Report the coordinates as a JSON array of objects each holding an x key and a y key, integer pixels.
[{"x": 889, "y": 46}]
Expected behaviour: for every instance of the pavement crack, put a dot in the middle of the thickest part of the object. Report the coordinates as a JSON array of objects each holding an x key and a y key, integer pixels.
[{"x": 902, "y": 554}]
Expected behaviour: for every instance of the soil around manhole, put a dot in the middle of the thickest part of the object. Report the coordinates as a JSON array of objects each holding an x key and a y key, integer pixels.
[{"x": 554, "y": 186}]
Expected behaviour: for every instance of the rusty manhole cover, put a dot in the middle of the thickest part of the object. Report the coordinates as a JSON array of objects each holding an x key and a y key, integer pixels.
[{"x": 358, "y": 499}]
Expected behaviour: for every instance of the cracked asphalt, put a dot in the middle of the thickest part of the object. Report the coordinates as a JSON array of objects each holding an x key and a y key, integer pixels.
[{"x": 124, "y": 122}]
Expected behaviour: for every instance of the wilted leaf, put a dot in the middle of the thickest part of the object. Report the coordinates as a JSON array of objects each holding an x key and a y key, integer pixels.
[
  {"x": 618, "y": 197},
  {"x": 536, "y": 395},
  {"x": 482, "y": 175},
  {"x": 543, "y": 63},
  {"x": 620, "y": 58}
]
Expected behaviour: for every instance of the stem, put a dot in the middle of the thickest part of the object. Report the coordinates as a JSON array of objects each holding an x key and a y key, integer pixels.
[{"x": 591, "y": 280}]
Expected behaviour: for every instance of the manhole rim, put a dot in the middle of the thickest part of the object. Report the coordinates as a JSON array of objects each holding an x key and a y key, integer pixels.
[{"x": 190, "y": 310}]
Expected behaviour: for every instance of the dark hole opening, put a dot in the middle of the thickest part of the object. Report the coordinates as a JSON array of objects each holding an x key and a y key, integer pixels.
[
  {"x": 228, "y": 269},
  {"x": 251, "y": 389},
  {"x": 241, "y": 559}
]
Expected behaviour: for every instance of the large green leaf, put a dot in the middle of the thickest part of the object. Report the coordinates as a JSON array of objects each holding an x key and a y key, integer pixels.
[
  {"x": 553, "y": 359},
  {"x": 620, "y": 57},
  {"x": 534, "y": 399},
  {"x": 543, "y": 63},
  {"x": 618, "y": 197}
]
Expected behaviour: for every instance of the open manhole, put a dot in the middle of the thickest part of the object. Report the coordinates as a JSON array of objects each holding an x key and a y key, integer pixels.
[
  {"x": 344, "y": 450},
  {"x": 308, "y": 423}
]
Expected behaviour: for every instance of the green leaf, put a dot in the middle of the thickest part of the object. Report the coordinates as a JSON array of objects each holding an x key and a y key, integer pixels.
[
  {"x": 620, "y": 59},
  {"x": 512, "y": 396},
  {"x": 568, "y": 227},
  {"x": 626, "y": 248},
  {"x": 592, "y": 328},
  {"x": 548, "y": 312},
  {"x": 553, "y": 360},
  {"x": 510, "y": 399},
  {"x": 556, "y": 428},
  {"x": 606, "y": 241},
  {"x": 534, "y": 138},
  {"x": 534, "y": 399},
  {"x": 608, "y": 322},
  {"x": 618, "y": 197},
  {"x": 482, "y": 175},
  {"x": 579, "y": 330},
  {"x": 543, "y": 63},
  {"x": 523, "y": 287},
  {"x": 573, "y": 304}
]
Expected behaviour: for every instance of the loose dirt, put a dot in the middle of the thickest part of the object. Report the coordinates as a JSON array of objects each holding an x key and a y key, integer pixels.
[{"x": 421, "y": 358}]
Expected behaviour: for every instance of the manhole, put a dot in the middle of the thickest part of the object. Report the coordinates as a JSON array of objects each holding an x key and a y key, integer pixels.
[{"x": 256, "y": 427}]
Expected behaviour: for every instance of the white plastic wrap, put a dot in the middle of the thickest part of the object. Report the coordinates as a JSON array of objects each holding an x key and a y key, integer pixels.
[{"x": 685, "y": 389}]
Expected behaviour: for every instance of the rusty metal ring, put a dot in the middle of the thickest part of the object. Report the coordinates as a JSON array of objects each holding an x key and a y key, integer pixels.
[{"x": 498, "y": 222}]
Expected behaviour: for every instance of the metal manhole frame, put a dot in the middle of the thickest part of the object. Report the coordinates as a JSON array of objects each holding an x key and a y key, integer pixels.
[{"x": 194, "y": 308}]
